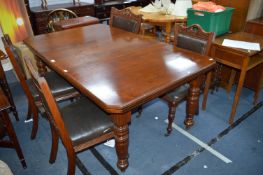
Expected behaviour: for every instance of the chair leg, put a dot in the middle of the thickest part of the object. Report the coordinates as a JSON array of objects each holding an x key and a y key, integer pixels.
[
  {"x": 139, "y": 110},
  {"x": 206, "y": 91},
  {"x": 34, "y": 110},
  {"x": 71, "y": 163},
  {"x": 15, "y": 113},
  {"x": 171, "y": 116},
  {"x": 54, "y": 146},
  {"x": 13, "y": 138},
  {"x": 217, "y": 78},
  {"x": 29, "y": 112}
]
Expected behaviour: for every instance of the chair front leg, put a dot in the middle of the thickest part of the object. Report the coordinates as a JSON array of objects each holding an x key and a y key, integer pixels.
[
  {"x": 207, "y": 86},
  {"x": 34, "y": 110},
  {"x": 54, "y": 146},
  {"x": 171, "y": 116}
]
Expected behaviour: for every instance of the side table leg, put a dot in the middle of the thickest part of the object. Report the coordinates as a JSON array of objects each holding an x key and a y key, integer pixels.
[
  {"x": 192, "y": 102},
  {"x": 238, "y": 91},
  {"x": 121, "y": 132}
]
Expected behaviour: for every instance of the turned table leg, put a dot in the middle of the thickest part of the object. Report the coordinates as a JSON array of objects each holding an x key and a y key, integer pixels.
[
  {"x": 192, "y": 102},
  {"x": 121, "y": 132},
  {"x": 168, "y": 29}
]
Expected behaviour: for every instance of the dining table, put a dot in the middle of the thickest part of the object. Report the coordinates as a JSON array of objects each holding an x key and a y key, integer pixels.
[{"x": 120, "y": 71}]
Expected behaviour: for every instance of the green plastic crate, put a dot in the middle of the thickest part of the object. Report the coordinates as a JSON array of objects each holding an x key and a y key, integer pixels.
[{"x": 211, "y": 22}]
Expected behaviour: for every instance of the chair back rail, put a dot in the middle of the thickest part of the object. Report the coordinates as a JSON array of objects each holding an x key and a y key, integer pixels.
[{"x": 193, "y": 38}]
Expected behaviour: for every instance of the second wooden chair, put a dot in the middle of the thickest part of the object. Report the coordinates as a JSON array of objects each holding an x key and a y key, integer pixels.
[
  {"x": 80, "y": 125},
  {"x": 61, "y": 89},
  {"x": 195, "y": 39}
]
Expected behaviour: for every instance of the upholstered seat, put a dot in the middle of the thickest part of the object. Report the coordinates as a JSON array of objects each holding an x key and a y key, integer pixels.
[
  {"x": 58, "y": 86},
  {"x": 194, "y": 44},
  {"x": 178, "y": 94},
  {"x": 82, "y": 127}
]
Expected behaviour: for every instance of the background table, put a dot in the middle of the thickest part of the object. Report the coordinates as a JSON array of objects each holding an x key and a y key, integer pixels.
[{"x": 159, "y": 19}]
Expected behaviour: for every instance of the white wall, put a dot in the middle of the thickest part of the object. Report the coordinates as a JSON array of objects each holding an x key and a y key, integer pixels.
[
  {"x": 6, "y": 63},
  {"x": 34, "y": 3},
  {"x": 1, "y": 43},
  {"x": 255, "y": 9}
]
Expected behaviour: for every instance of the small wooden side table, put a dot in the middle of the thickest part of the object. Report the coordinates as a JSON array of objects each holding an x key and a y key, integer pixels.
[{"x": 239, "y": 60}]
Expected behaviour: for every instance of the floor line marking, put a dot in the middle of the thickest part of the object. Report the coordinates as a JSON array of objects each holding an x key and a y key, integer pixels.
[{"x": 202, "y": 144}]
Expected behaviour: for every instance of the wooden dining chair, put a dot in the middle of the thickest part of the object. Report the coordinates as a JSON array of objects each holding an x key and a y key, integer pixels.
[
  {"x": 125, "y": 20},
  {"x": 7, "y": 129},
  {"x": 60, "y": 88},
  {"x": 195, "y": 39},
  {"x": 58, "y": 15},
  {"x": 4, "y": 85},
  {"x": 80, "y": 125}
]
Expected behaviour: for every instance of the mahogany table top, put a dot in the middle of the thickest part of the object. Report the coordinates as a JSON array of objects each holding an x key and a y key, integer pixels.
[{"x": 118, "y": 70}]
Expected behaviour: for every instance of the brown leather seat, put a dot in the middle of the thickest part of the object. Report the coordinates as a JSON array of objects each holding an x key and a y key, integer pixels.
[
  {"x": 125, "y": 20},
  {"x": 57, "y": 84},
  {"x": 80, "y": 125},
  {"x": 191, "y": 38},
  {"x": 61, "y": 88}
]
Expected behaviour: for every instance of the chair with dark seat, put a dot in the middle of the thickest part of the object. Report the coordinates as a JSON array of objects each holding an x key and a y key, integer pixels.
[
  {"x": 4, "y": 85},
  {"x": 6, "y": 129},
  {"x": 195, "y": 39},
  {"x": 60, "y": 88},
  {"x": 58, "y": 15},
  {"x": 80, "y": 125},
  {"x": 125, "y": 20}
]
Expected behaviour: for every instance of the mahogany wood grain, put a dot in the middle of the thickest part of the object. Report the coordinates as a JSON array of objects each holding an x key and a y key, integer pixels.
[
  {"x": 240, "y": 59},
  {"x": 119, "y": 70}
]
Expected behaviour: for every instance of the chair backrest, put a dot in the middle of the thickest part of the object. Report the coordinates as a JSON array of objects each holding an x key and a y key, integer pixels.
[
  {"x": 50, "y": 106},
  {"x": 193, "y": 38},
  {"x": 125, "y": 19},
  {"x": 57, "y": 15},
  {"x": 14, "y": 57}
]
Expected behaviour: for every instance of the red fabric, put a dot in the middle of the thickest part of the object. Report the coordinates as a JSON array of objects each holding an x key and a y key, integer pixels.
[{"x": 208, "y": 6}]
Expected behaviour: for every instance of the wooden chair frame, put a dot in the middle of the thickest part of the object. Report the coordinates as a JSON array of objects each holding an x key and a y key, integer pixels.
[
  {"x": 194, "y": 31},
  {"x": 33, "y": 104},
  {"x": 127, "y": 14},
  {"x": 58, "y": 128}
]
